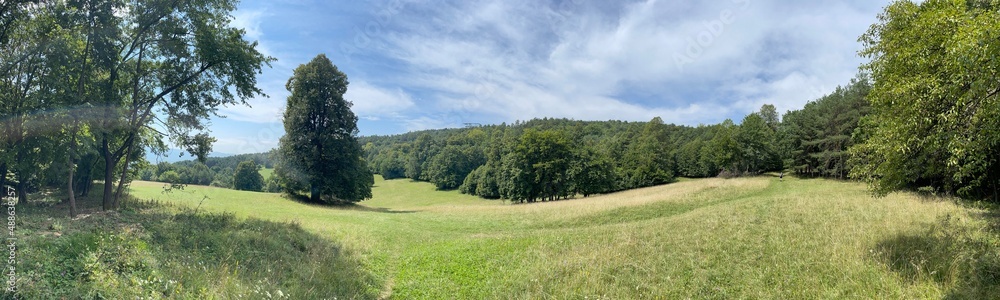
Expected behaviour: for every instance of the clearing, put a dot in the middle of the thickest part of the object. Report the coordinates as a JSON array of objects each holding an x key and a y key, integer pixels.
[{"x": 705, "y": 238}]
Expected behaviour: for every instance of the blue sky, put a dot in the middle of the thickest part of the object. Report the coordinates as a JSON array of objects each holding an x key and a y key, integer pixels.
[{"x": 433, "y": 64}]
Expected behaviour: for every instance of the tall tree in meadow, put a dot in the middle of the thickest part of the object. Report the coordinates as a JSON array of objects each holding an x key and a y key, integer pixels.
[
  {"x": 935, "y": 99},
  {"x": 320, "y": 152}
]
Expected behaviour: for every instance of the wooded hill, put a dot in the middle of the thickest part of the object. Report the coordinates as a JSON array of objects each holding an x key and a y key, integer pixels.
[{"x": 548, "y": 159}]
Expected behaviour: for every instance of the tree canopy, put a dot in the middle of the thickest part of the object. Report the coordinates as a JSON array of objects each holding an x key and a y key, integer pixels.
[
  {"x": 247, "y": 177},
  {"x": 84, "y": 83},
  {"x": 935, "y": 118},
  {"x": 319, "y": 152}
]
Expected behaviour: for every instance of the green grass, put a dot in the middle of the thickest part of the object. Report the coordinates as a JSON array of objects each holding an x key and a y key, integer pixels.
[
  {"x": 704, "y": 238},
  {"x": 266, "y": 172},
  {"x": 709, "y": 238},
  {"x": 155, "y": 250}
]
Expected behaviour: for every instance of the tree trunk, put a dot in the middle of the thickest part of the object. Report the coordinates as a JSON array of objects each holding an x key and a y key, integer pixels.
[
  {"x": 313, "y": 192},
  {"x": 121, "y": 181},
  {"x": 109, "y": 169},
  {"x": 22, "y": 190},
  {"x": 3, "y": 176},
  {"x": 85, "y": 182},
  {"x": 69, "y": 185}
]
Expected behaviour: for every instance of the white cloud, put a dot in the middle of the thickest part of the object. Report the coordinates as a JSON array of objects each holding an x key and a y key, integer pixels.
[
  {"x": 249, "y": 144},
  {"x": 261, "y": 109},
  {"x": 441, "y": 64},
  {"x": 525, "y": 59},
  {"x": 249, "y": 20},
  {"x": 373, "y": 103}
]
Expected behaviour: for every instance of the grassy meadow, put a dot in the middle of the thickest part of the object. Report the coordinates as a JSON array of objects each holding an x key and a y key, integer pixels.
[
  {"x": 707, "y": 238},
  {"x": 704, "y": 238}
]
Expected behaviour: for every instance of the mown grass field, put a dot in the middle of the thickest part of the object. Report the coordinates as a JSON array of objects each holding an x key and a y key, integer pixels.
[{"x": 706, "y": 238}]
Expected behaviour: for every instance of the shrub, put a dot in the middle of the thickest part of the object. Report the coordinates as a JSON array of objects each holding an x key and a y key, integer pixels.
[{"x": 170, "y": 177}]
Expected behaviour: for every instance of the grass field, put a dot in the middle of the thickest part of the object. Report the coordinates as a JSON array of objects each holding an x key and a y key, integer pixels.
[
  {"x": 706, "y": 238},
  {"x": 266, "y": 172}
]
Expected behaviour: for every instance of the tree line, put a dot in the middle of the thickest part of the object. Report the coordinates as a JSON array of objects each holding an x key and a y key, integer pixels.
[
  {"x": 214, "y": 171},
  {"x": 550, "y": 159}
]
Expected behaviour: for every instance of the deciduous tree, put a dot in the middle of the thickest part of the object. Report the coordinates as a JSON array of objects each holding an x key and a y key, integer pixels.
[{"x": 320, "y": 152}]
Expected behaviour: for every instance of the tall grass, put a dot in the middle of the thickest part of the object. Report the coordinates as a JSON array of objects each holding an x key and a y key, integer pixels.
[
  {"x": 152, "y": 250},
  {"x": 707, "y": 238}
]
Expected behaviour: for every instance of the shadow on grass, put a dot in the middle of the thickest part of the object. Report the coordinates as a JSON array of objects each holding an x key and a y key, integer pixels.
[
  {"x": 149, "y": 250},
  {"x": 343, "y": 205},
  {"x": 964, "y": 259}
]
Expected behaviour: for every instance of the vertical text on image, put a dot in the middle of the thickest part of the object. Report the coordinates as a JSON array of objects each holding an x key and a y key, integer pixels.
[{"x": 10, "y": 199}]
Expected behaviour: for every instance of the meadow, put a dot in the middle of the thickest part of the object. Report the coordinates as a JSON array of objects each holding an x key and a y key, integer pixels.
[
  {"x": 705, "y": 238},
  {"x": 702, "y": 238}
]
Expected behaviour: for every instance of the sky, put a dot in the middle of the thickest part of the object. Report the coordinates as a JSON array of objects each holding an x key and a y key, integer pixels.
[{"x": 415, "y": 65}]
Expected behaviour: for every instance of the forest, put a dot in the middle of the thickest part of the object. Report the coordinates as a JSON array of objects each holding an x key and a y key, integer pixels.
[{"x": 551, "y": 159}]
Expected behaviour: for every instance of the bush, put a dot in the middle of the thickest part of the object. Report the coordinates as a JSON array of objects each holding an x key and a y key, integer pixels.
[
  {"x": 273, "y": 184},
  {"x": 170, "y": 177}
]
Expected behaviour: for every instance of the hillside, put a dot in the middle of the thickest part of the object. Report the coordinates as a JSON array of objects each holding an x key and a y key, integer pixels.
[{"x": 705, "y": 238}]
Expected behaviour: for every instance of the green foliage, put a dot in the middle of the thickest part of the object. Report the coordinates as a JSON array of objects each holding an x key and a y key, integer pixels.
[
  {"x": 86, "y": 78},
  {"x": 422, "y": 150},
  {"x": 247, "y": 177},
  {"x": 543, "y": 166},
  {"x": 449, "y": 168},
  {"x": 273, "y": 184},
  {"x": 320, "y": 154},
  {"x": 935, "y": 117},
  {"x": 724, "y": 148},
  {"x": 695, "y": 160},
  {"x": 580, "y": 157},
  {"x": 214, "y": 171},
  {"x": 757, "y": 143},
  {"x": 817, "y": 137},
  {"x": 647, "y": 161},
  {"x": 390, "y": 165},
  {"x": 170, "y": 177},
  {"x": 592, "y": 173}
]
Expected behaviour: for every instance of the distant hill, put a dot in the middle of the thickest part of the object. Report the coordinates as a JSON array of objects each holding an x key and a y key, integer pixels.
[{"x": 174, "y": 155}]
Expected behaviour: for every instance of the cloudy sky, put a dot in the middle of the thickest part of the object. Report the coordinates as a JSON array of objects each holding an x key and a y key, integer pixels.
[{"x": 433, "y": 64}]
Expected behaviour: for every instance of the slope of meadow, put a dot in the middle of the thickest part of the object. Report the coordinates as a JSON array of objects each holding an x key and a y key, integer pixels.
[{"x": 708, "y": 238}]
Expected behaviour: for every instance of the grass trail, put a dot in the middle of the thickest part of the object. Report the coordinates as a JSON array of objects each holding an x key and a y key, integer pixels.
[{"x": 707, "y": 238}]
